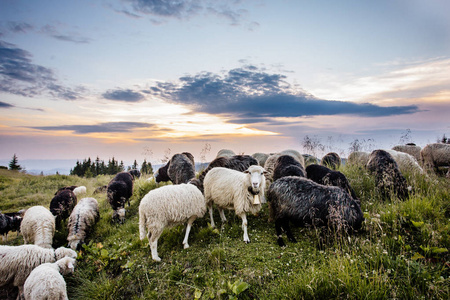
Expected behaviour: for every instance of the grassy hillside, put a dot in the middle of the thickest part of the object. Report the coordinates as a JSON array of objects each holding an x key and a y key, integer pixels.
[{"x": 402, "y": 251}]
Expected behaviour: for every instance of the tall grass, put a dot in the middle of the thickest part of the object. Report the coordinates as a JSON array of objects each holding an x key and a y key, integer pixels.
[{"x": 401, "y": 252}]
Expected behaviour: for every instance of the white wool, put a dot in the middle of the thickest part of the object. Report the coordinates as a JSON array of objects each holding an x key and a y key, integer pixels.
[
  {"x": 229, "y": 189},
  {"x": 167, "y": 206},
  {"x": 79, "y": 190},
  {"x": 82, "y": 218},
  {"x": 410, "y": 149},
  {"x": 358, "y": 158},
  {"x": 269, "y": 166},
  {"x": 435, "y": 155},
  {"x": 46, "y": 281},
  {"x": 406, "y": 162},
  {"x": 16, "y": 262},
  {"x": 225, "y": 153},
  {"x": 38, "y": 226}
]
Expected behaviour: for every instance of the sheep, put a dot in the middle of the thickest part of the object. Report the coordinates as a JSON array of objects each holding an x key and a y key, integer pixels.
[
  {"x": 167, "y": 206},
  {"x": 303, "y": 202},
  {"x": 410, "y": 148},
  {"x": 181, "y": 169},
  {"x": 406, "y": 162},
  {"x": 46, "y": 281},
  {"x": 435, "y": 155},
  {"x": 239, "y": 191},
  {"x": 225, "y": 153},
  {"x": 83, "y": 217},
  {"x": 388, "y": 177},
  {"x": 325, "y": 176},
  {"x": 17, "y": 262},
  {"x": 100, "y": 189},
  {"x": 310, "y": 159},
  {"x": 331, "y": 160},
  {"x": 135, "y": 173},
  {"x": 261, "y": 158},
  {"x": 10, "y": 222},
  {"x": 62, "y": 204},
  {"x": 358, "y": 158},
  {"x": 272, "y": 160},
  {"x": 287, "y": 165},
  {"x": 161, "y": 175},
  {"x": 295, "y": 154},
  {"x": 71, "y": 188},
  {"x": 80, "y": 190},
  {"x": 38, "y": 226},
  {"x": 119, "y": 191}
]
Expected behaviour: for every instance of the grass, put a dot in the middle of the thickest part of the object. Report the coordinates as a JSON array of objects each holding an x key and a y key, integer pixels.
[{"x": 401, "y": 253}]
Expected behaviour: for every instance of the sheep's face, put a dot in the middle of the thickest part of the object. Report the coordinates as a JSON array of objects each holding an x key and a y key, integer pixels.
[
  {"x": 121, "y": 215},
  {"x": 257, "y": 178}
]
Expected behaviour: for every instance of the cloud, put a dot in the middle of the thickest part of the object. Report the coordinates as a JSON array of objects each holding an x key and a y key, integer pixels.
[
  {"x": 126, "y": 95},
  {"x": 72, "y": 37},
  {"x": 19, "y": 76},
  {"x": 5, "y": 105},
  {"x": 175, "y": 8},
  {"x": 251, "y": 93},
  {"x": 19, "y": 27},
  {"x": 98, "y": 128}
]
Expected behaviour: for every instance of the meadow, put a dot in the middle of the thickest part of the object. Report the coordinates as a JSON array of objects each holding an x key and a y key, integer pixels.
[{"x": 400, "y": 253}]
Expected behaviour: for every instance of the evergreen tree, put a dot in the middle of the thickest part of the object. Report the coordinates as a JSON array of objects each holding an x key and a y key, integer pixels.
[
  {"x": 13, "y": 164},
  {"x": 135, "y": 165}
]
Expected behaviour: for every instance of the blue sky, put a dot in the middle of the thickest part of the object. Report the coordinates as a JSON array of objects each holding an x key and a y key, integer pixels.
[{"x": 138, "y": 79}]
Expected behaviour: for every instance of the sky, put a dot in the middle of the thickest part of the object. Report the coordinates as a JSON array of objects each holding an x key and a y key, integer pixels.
[{"x": 145, "y": 79}]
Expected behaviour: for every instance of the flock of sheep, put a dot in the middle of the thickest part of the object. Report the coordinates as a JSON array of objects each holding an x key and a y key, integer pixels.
[{"x": 302, "y": 194}]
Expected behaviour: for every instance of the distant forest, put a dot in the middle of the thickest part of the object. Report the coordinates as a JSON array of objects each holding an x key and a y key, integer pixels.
[{"x": 89, "y": 168}]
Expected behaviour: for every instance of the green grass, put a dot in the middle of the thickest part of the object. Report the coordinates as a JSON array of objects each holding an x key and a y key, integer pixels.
[{"x": 401, "y": 253}]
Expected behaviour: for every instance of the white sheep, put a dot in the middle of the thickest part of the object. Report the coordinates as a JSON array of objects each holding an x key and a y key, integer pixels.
[
  {"x": 435, "y": 155},
  {"x": 225, "y": 153},
  {"x": 358, "y": 158},
  {"x": 82, "y": 218},
  {"x": 406, "y": 162},
  {"x": 167, "y": 206},
  {"x": 80, "y": 190},
  {"x": 411, "y": 149},
  {"x": 17, "y": 262},
  {"x": 242, "y": 192},
  {"x": 38, "y": 226},
  {"x": 46, "y": 281}
]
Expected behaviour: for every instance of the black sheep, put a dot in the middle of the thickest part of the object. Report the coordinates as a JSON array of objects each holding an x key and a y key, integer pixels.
[
  {"x": 287, "y": 165},
  {"x": 62, "y": 205},
  {"x": 71, "y": 188},
  {"x": 135, "y": 173},
  {"x": 163, "y": 172},
  {"x": 304, "y": 202},
  {"x": 119, "y": 191},
  {"x": 331, "y": 160},
  {"x": 10, "y": 222},
  {"x": 326, "y": 176},
  {"x": 181, "y": 169},
  {"x": 388, "y": 178}
]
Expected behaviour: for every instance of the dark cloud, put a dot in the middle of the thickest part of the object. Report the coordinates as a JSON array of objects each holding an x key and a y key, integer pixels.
[
  {"x": 5, "y": 105},
  {"x": 173, "y": 8},
  {"x": 250, "y": 93},
  {"x": 19, "y": 76},
  {"x": 123, "y": 95},
  {"x": 102, "y": 127}
]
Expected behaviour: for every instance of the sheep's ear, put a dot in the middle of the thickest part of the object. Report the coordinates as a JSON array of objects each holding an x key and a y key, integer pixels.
[{"x": 247, "y": 172}]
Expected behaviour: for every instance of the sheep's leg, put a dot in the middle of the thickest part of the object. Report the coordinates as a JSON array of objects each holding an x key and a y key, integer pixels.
[
  {"x": 288, "y": 231},
  {"x": 153, "y": 241},
  {"x": 5, "y": 237},
  {"x": 211, "y": 215},
  {"x": 278, "y": 229},
  {"x": 244, "y": 227},
  {"x": 222, "y": 215},
  {"x": 188, "y": 229}
]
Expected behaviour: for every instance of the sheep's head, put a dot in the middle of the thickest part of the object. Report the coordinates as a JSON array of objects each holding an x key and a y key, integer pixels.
[
  {"x": 119, "y": 215},
  {"x": 66, "y": 265},
  {"x": 257, "y": 179},
  {"x": 62, "y": 252}
]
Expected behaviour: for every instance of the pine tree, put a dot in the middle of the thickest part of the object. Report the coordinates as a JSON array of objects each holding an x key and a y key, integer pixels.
[{"x": 13, "y": 165}]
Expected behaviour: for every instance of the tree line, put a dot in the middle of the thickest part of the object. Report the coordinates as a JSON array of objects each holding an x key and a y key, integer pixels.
[{"x": 90, "y": 168}]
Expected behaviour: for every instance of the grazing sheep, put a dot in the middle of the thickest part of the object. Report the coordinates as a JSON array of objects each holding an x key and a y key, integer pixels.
[
  {"x": 181, "y": 169},
  {"x": 161, "y": 174},
  {"x": 62, "y": 205},
  {"x": 167, "y": 206},
  {"x": 435, "y": 155},
  {"x": 261, "y": 158},
  {"x": 331, "y": 160},
  {"x": 269, "y": 167},
  {"x": 100, "y": 189},
  {"x": 119, "y": 191},
  {"x": 325, "y": 176},
  {"x": 83, "y": 217},
  {"x": 295, "y": 154},
  {"x": 17, "y": 262},
  {"x": 388, "y": 177},
  {"x": 304, "y": 202},
  {"x": 358, "y": 158},
  {"x": 287, "y": 165},
  {"x": 70, "y": 188},
  {"x": 410, "y": 148},
  {"x": 239, "y": 191},
  {"x": 80, "y": 190},
  {"x": 225, "y": 153},
  {"x": 310, "y": 159},
  {"x": 236, "y": 162},
  {"x": 406, "y": 162},
  {"x": 10, "y": 222},
  {"x": 46, "y": 280},
  {"x": 38, "y": 226},
  {"x": 135, "y": 173}
]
